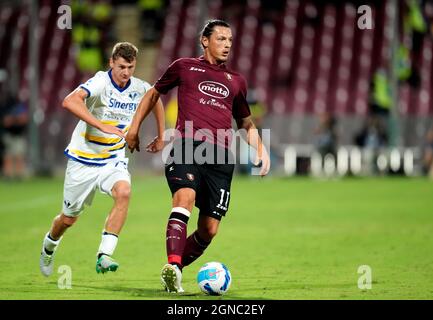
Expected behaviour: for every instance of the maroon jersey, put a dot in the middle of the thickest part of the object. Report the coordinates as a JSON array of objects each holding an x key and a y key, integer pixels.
[{"x": 208, "y": 96}]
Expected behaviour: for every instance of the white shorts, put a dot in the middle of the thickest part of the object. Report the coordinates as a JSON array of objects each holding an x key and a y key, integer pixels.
[{"x": 81, "y": 182}]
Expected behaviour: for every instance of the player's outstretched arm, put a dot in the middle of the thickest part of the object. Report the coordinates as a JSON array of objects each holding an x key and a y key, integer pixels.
[
  {"x": 254, "y": 140},
  {"x": 74, "y": 102},
  {"x": 146, "y": 105},
  {"x": 157, "y": 143}
]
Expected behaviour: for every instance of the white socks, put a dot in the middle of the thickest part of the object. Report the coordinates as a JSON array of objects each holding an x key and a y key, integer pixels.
[
  {"x": 107, "y": 246},
  {"x": 50, "y": 244},
  {"x": 108, "y": 243}
]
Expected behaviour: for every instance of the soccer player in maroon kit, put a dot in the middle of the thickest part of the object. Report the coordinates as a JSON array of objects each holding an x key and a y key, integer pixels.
[{"x": 209, "y": 96}]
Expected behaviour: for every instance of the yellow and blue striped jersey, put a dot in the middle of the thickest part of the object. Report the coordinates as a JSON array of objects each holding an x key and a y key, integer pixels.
[{"x": 111, "y": 105}]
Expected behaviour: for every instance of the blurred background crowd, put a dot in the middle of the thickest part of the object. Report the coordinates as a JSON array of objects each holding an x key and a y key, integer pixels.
[{"x": 339, "y": 98}]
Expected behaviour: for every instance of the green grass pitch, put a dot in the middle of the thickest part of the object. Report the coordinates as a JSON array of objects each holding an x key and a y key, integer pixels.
[{"x": 283, "y": 238}]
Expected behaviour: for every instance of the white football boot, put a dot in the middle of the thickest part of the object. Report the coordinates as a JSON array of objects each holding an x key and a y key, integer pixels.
[
  {"x": 171, "y": 278},
  {"x": 46, "y": 262}
]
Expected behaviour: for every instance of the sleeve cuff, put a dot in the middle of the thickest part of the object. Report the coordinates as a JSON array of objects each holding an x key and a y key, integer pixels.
[{"x": 87, "y": 90}]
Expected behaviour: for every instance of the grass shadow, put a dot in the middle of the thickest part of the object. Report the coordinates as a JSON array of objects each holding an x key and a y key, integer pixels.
[{"x": 160, "y": 294}]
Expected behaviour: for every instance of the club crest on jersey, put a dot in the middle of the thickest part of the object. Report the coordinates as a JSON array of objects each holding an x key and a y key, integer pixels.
[
  {"x": 133, "y": 95},
  {"x": 190, "y": 176},
  {"x": 214, "y": 89},
  {"x": 228, "y": 76}
]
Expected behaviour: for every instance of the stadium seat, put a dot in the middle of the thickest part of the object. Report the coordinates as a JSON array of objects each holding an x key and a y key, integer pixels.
[{"x": 309, "y": 58}]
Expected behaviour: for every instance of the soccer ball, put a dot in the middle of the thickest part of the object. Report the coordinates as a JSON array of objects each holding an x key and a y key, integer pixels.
[{"x": 214, "y": 278}]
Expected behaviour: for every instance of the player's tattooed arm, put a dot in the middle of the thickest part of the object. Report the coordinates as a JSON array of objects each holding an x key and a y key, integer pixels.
[
  {"x": 74, "y": 102},
  {"x": 254, "y": 140}
]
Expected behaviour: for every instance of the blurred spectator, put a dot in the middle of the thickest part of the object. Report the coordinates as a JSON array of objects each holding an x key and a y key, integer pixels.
[
  {"x": 373, "y": 135},
  {"x": 102, "y": 12},
  {"x": 89, "y": 56},
  {"x": 403, "y": 68},
  {"x": 428, "y": 154},
  {"x": 14, "y": 123},
  {"x": 415, "y": 24},
  {"x": 152, "y": 17},
  {"x": 91, "y": 22},
  {"x": 375, "y": 132},
  {"x": 380, "y": 93},
  {"x": 326, "y": 135},
  {"x": 415, "y": 27}
]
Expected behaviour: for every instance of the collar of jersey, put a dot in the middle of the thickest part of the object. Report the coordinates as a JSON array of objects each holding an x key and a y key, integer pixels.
[
  {"x": 115, "y": 84},
  {"x": 218, "y": 66}
]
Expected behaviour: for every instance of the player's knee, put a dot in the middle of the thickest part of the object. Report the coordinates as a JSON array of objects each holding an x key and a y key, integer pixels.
[
  {"x": 184, "y": 197},
  {"x": 208, "y": 232},
  {"x": 122, "y": 192}
]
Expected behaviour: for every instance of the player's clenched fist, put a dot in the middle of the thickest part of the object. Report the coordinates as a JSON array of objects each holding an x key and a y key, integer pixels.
[{"x": 133, "y": 141}]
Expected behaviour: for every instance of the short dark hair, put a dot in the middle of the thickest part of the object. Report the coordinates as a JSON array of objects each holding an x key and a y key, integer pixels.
[
  {"x": 209, "y": 26},
  {"x": 124, "y": 50}
]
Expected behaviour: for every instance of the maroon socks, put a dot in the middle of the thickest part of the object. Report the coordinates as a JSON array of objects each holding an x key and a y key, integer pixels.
[{"x": 176, "y": 235}]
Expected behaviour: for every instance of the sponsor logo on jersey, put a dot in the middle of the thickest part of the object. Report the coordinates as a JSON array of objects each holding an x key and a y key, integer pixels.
[
  {"x": 212, "y": 102},
  {"x": 214, "y": 89},
  {"x": 197, "y": 69},
  {"x": 130, "y": 106}
]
